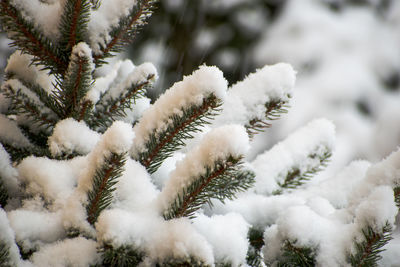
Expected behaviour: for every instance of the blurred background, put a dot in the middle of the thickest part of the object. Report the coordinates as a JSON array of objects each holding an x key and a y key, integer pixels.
[{"x": 346, "y": 53}]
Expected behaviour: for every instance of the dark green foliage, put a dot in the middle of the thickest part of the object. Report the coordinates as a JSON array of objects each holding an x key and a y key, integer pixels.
[
  {"x": 73, "y": 24},
  {"x": 367, "y": 251},
  {"x": 105, "y": 177},
  {"x": 5, "y": 260},
  {"x": 123, "y": 256},
  {"x": 256, "y": 239},
  {"x": 179, "y": 262},
  {"x": 126, "y": 30},
  {"x": 23, "y": 104},
  {"x": 294, "y": 256},
  {"x": 72, "y": 89},
  {"x": 3, "y": 196},
  {"x": 106, "y": 111},
  {"x": 396, "y": 191},
  {"x": 29, "y": 39},
  {"x": 274, "y": 109},
  {"x": 221, "y": 181},
  {"x": 161, "y": 145},
  {"x": 19, "y": 153},
  {"x": 297, "y": 177}
]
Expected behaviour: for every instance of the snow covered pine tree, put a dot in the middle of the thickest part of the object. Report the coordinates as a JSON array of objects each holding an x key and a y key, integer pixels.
[{"x": 92, "y": 174}]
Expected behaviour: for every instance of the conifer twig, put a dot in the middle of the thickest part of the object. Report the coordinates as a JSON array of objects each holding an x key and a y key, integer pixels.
[
  {"x": 29, "y": 40},
  {"x": 100, "y": 196}
]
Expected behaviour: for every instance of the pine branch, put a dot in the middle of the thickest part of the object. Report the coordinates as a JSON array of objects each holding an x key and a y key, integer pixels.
[
  {"x": 73, "y": 88},
  {"x": 296, "y": 256},
  {"x": 106, "y": 113},
  {"x": 368, "y": 250},
  {"x": 161, "y": 145},
  {"x": 23, "y": 104},
  {"x": 5, "y": 260},
  {"x": 73, "y": 23},
  {"x": 297, "y": 177},
  {"x": 3, "y": 199},
  {"x": 30, "y": 40},
  {"x": 19, "y": 153},
  {"x": 189, "y": 261},
  {"x": 221, "y": 181},
  {"x": 105, "y": 177},
  {"x": 126, "y": 30},
  {"x": 121, "y": 256},
  {"x": 396, "y": 191},
  {"x": 254, "y": 256},
  {"x": 274, "y": 110}
]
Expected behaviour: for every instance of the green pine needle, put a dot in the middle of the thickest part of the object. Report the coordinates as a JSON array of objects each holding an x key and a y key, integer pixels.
[
  {"x": 123, "y": 256},
  {"x": 274, "y": 109},
  {"x": 29, "y": 39},
  {"x": 368, "y": 250},
  {"x": 108, "y": 111},
  {"x": 396, "y": 191},
  {"x": 162, "y": 145},
  {"x": 221, "y": 181},
  {"x": 5, "y": 260},
  {"x": 70, "y": 92},
  {"x": 126, "y": 30},
  {"x": 254, "y": 256},
  {"x": 105, "y": 178},
  {"x": 23, "y": 104},
  {"x": 73, "y": 23},
  {"x": 296, "y": 177},
  {"x": 189, "y": 261},
  {"x": 3, "y": 196},
  {"x": 294, "y": 256}
]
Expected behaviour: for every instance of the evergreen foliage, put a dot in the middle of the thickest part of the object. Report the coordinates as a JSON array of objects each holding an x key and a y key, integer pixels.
[
  {"x": 181, "y": 126},
  {"x": 4, "y": 255},
  {"x": 84, "y": 202},
  {"x": 274, "y": 110},
  {"x": 123, "y": 256},
  {"x": 104, "y": 180},
  {"x": 396, "y": 191},
  {"x": 367, "y": 250},
  {"x": 296, "y": 256},
  {"x": 297, "y": 177}
]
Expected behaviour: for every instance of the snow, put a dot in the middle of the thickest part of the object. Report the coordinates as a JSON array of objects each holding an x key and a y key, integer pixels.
[
  {"x": 105, "y": 18},
  {"x": 53, "y": 180},
  {"x": 246, "y": 99},
  {"x": 45, "y": 17},
  {"x": 191, "y": 91},
  {"x": 228, "y": 236},
  {"x": 71, "y": 136},
  {"x": 43, "y": 227},
  {"x": 217, "y": 145},
  {"x": 271, "y": 167},
  {"x": 20, "y": 65},
  {"x": 8, "y": 174},
  {"x": 7, "y": 237},
  {"x": 80, "y": 252},
  {"x": 162, "y": 240},
  {"x": 10, "y": 133}
]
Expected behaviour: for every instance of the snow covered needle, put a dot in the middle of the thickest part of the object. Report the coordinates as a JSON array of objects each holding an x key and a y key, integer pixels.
[{"x": 211, "y": 170}]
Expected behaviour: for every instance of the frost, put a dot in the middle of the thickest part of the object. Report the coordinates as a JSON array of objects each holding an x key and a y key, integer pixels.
[
  {"x": 72, "y": 136},
  {"x": 191, "y": 91}
]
